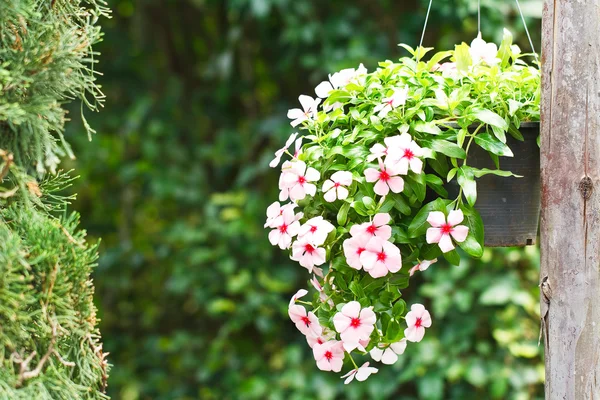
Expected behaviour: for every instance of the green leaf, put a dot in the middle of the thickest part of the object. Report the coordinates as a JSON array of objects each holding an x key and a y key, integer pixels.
[
  {"x": 393, "y": 331},
  {"x": 452, "y": 257},
  {"x": 342, "y": 214},
  {"x": 493, "y": 145},
  {"x": 491, "y": 118},
  {"x": 427, "y": 127},
  {"x": 418, "y": 185},
  {"x": 484, "y": 171},
  {"x": 398, "y": 309},
  {"x": 445, "y": 147},
  {"x": 473, "y": 244},
  {"x": 400, "y": 204},
  {"x": 468, "y": 185},
  {"x": 419, "y": 224},
  {"x": 369, "y": 203},
  {"x": 437, "y": 57},
  {"x": 360, "y": 208},
  {"x": 356, "y": 289},
  {"x": 462, "y": 57}
]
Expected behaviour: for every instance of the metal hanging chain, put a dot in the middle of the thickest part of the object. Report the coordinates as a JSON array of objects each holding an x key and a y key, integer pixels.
[
  {"x": 527, "y": 32},
  {"x": 424, "y": 28}
]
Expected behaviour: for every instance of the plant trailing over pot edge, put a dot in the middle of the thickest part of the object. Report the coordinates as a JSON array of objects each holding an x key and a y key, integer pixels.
[{"x": 375, "y": 144}]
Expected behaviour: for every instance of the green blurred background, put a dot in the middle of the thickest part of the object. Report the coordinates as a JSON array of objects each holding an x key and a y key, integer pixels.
[{"x": 193, "y": 298}]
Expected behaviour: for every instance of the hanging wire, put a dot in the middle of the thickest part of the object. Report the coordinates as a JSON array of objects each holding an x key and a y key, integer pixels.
[
  {"x": 424, "y": 28},
  {"x": 527, "y": 32}
]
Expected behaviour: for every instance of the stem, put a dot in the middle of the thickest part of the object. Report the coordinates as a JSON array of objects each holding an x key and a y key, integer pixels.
[{"x": 352, "y": 359}]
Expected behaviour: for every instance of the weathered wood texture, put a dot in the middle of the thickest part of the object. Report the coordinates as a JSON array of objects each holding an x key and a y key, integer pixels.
[{"x": 570, "y": 223}]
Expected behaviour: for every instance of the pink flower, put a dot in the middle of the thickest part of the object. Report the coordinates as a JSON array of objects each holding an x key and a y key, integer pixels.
[
  {"x": 441, "y": 230},
  {"x": 286, "y": 226},
  {"x": 279, "y": 153},
  {"x": 386, "y": 179},
  {"x": 484, "y": 52},
  {"x": 295, "y": 179},
  {"x": 308, "y": 254},
  {"x": 377, "y": 228},
  {"x": 309, "y": 110},
  {"x": 388, "y": 353},
  {"x": 325, "y": 336},
  {"x": 275, "y": 210},
  {"x": 307, "y": 323},
  {"x": 315, "y": 230},
  {"x": 329, "y": 356},
  {"x": 354, "y": 324},
  {"x": 299, "y": 294},
  {"x": 417, "y": 319},
  {"x": 403, "y": 153},
  {"x": 448, "y": 70},
  {"x": 361, "y": 374},
  {"x": 381, "y": 257},
  {"x": 422, "y": 266},
  {"x": 322, "y": 295},
  {"x": 353, "y": 248},
  {"x": 377, "y": 151},
  {"x": 336, "y": 187},
  {"x": 398, "y": 98}
]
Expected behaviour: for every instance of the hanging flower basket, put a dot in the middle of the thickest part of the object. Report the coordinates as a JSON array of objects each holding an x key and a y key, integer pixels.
[{"x": 392, "y": 173}]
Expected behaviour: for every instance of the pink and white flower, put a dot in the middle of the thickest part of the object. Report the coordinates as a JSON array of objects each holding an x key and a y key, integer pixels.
[
  {"x": 381, "y": 257},
  {"x": 299, "y": 294},
  {"x": 441, "y": 230},
  {"x": 335, "y": 188},
  {"x": 377, "y": 151},
  {"x": 308, "y": 111},
  {"x": 275, "y": 162},
  {"x": 417, "y": 319},
  {"x": 388, "y": 353},
  {"x": 448, "y": 70},
  {"x": 361, "y": 374},
  {"x": 315, "y": 230},
  {"x": 308, "y": 254},
  {"x": 322, "y": 295},
  {"x": 483, "y": 52},
  {"x": 306, "y": 322},
  {"x": 275, "y": 210},
  {"x": 378, "y": 227},
  {"x": 354, "y": 324},
  {"x": 324, "y": 337},
  {"x": 329, "y": 355},
  {"x": 286, "y": 226},
  {"x": 353, "y": 248},
  {"x": 422, "y": 266},
  {"x": 295, "y": 181},
  {"x": 398, "y": 98},
  {"x": 404, "y": 153},
  {"x": 386, "y": 179}
]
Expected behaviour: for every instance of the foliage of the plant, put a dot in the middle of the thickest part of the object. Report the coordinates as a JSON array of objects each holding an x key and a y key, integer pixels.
[
  {"x": 49, "y": 341},
  {"x": 192, "y": 297},
  {"x": 374, "y": 147}
]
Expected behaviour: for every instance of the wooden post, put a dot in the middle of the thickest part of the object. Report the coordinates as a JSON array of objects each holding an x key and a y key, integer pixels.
[{"x": 570, "y": 222}]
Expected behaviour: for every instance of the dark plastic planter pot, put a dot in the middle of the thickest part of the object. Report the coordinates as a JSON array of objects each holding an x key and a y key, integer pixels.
[{"x": 509, "y": 206}]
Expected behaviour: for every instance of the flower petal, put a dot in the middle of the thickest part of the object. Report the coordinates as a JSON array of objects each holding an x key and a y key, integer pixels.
[
  {"x": 436, "y": 219},
  {"x": 351, "y": 309},
  {"x": 459, "y": 233},
  {"x": 433, "y": 235},
  {"x": 455, "y": 217},
  {"x": 445, "y": 243},
  {"x": 371, "y": 174},
  {"x": 381, "y": 188},
  {"x": 381, "y": 219},
  {"x": 396, "y": 184}
]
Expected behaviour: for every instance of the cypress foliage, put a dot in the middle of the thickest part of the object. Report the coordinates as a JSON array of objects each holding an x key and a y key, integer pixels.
[{"x": 49, "y": 343}]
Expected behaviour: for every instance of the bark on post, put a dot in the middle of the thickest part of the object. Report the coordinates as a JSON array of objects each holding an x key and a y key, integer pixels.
[{"x": 570, "y": 223}]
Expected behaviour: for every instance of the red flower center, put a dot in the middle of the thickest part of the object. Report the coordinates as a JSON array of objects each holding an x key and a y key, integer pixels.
[
  {"x": 336, "y": 184},
  {"x": 328, "y": 355},
  {"x": 384, "y": 176},
  {"x": 309, "y": 248},
  {"x": 360, "y": 250},
  {"x": 355, "y": 323},
  {"x": 320, "y": 341},
  {"x": 306, "y": 321},
  {"x": 446, "y": 229},
  {"x": 381, "y": 256},
  {"x": 418, "y": 323},
  {"x": 313, "y": 228},
  {"x": 390, "y": 103},
  {"x": 408, "y": 154},
  {"x": 283, "y": 228},
  {"x": 301, "y": 180},
  {"x": 372, "y": 229}
]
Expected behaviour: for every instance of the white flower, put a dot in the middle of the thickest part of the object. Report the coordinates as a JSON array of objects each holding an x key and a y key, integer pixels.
[
  {"x": 417, "y": 319},
  {"x": 378, "y": 227},
  {"x": 295, "y": 181},
  {"x": 299, "y": 294},
  {"x": 354, "y": 247},
  {"x": 324, "y": 337},
  {"x": 275, "y": 162},
  {"x": 336, "y": 186},
  {"x": 315, "y": 230},
  {"x": 274, "y": 211},
  {"x": 484, "y": 52},
  {"x": 441, "y": 230},
  {"x": 381, "y": 257},
  {"x": 388, "y": 353},
  {"x": 354, "y": 324},
  {"x": 286, "y": 226},
  {"x": 398, "y": 98},
  {"x": 329, "y": 356},
  {"x": 403, "y": 153},
  {"x": 361, "y": 374},
  {"x": 307, "y": 323},
  {"x": 386, "y": 179},
  {"x": 308, "y": 254},
  {"x": 422, "y": 266},
  {"x": 309, "y": 110}
]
